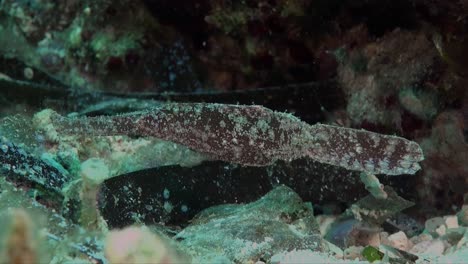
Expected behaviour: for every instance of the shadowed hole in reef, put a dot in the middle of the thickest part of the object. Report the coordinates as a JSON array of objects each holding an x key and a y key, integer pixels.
[
  {"x": 173, "y": 195},
  {"x": 381, "y": 16}
]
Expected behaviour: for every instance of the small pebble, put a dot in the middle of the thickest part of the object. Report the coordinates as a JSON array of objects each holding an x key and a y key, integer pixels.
[
  {"x": 435, "y": 247},
  {"x": 353, "y": 253},
  {"x": 28, "y": 73},
  {"x": 441, "y": 230},
  {"x": 451, "y": 221},
  {"x": 399, "y": 240},
  {"x": 433, "y": 224},
  {"x": 463, "y": 216}
]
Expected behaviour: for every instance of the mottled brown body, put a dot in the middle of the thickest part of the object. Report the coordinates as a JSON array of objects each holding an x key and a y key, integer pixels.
[{"x": 257, "y": 136}]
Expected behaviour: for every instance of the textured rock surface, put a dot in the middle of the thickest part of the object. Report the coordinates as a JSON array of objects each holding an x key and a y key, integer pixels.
[{"x": 277, "y": 222}]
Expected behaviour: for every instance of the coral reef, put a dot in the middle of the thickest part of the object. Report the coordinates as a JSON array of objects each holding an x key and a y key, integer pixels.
[{"x": 233, "y": 131}]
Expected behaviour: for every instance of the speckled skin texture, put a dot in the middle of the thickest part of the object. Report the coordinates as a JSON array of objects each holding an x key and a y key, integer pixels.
[{"x": 257, "y": 136}]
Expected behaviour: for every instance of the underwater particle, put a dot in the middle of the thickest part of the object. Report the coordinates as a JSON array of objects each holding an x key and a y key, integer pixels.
[
  {"x": 168, "y": 207},
  {"x": 87, "y": 11},
  {"x": 173, "y": 69},
  {"x": 184, "y": 208},
  {"x": 75, "y": 36},
  {"x": 166, "y": 193},
  {"x": 28, "y": 73}
]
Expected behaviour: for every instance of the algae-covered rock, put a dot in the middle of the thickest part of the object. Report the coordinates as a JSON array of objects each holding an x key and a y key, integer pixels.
[{"x": 279, "y": 221}]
